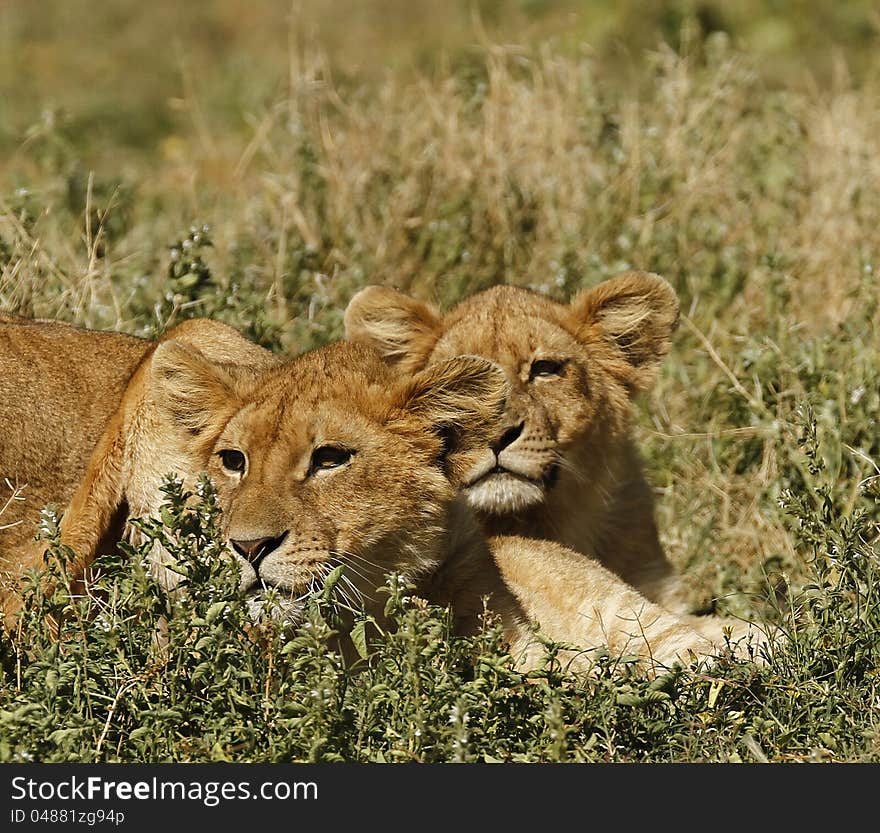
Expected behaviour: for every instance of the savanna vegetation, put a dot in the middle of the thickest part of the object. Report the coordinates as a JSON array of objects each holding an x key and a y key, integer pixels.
[{"x": 260, "y": 162}]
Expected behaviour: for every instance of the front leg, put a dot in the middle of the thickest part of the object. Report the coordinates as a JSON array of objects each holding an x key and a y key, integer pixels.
[{"x": 575, "y": 599}]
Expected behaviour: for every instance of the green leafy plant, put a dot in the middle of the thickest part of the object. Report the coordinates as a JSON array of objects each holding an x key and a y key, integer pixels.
[{"x": 540, "y": 165}]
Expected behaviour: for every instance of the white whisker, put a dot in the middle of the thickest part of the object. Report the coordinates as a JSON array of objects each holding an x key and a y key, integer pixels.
[
  {"x": 366, "y": 562},
  {"x": 359, "y": 595}
]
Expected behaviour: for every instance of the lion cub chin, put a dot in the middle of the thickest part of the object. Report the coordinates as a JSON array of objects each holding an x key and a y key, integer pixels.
[
  {"x": 562, "y": 464},
  {"x": 335, "y": 459}
]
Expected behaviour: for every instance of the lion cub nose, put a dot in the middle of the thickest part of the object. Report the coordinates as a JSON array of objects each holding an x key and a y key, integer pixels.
[
  {"x": 256, "y": 549},
  {"x": 507, "y": 438}
]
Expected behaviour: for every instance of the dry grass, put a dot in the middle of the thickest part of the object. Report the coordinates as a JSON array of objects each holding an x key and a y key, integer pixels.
[
  {"x": 530, "y": 169},
  {"x": 528, "y": 164}
]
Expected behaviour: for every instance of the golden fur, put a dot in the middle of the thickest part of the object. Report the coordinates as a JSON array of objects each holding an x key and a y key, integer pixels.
[
  {"x": 563, "y": 465},
  {"x": 59, "y": 387},
  {"x": 333, "y": 458}
]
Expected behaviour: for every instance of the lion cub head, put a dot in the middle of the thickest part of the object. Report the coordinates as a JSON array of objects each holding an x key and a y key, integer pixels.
[
  {"x": 572, "y": 368},
  {"x": 329, "y": 459}
]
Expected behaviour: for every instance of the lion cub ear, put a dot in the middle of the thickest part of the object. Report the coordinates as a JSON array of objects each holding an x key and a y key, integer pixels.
[
  {"x": 463, "y": 400},
  {"x": 402, "y": 329},
  {"x": 637, "y": 313},
  {"x": 189, "y": 389}
]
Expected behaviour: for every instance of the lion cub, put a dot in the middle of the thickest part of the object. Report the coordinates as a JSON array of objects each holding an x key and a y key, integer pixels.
[
  {"x": 333, "y": 458},
  {"x": 562, "y": 465},
  {"x": 59, "y": 387}
]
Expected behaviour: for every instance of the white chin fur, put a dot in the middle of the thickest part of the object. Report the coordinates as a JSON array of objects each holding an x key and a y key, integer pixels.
[
  {"x": 262, "y": 606},
  {"x": 503, "y": 494}
]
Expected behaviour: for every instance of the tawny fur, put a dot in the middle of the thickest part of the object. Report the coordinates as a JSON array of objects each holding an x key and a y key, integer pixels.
[
  {"x": 564, "y": 466},
  {"x": 393, "y": 503},
  {"x": 60, "y": 386}
]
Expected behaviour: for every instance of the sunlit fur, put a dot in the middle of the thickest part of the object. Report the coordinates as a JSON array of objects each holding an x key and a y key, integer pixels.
[
  {"x": 571, "y": 473},
  {"x": 394, "y": 504},
  {"x": 60, "y": 386}
]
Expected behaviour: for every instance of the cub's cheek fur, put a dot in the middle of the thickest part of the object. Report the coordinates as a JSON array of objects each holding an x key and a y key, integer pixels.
[
  {"x": 166, "y": 422},
  {"x": 175, "y": 403},
  {"x": 621, "y": 329}
]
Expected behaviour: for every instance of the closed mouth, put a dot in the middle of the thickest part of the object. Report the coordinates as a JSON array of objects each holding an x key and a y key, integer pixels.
[
  {"x": 500, "y": 471},
  {"x": 547, "y": 480},
  {"x": 262, "y": 588}
]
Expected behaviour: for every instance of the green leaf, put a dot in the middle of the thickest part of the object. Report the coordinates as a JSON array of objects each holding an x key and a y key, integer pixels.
[
  {"x": 359, "y": 637},
  {"x": 52, "y": 681},
  {"x": 331, "y": 581},
  {"x": 60, "y": 735},
  {"x": 214, "y": 611},
  {"x": 201, "y": 670},
  {"x": 141, "y": 732}
]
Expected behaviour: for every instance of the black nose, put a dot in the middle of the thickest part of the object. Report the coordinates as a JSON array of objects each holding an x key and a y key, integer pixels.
[
  {"x": 256, "y": 549},
  {"x": 507, "y": 438}
]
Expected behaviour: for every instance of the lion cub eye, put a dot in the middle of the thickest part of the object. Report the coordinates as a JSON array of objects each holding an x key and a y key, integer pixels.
[
  {"x": 232, "y": 460},
  {"x": 330, "y": 457},
  {"x": 545, "y": 368}
]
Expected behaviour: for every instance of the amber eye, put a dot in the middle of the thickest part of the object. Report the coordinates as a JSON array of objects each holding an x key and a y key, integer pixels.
[
  {"x": 544, "y": 368},
  {"x": 232, "y": 460},
  {"x": 330, "y": 457}
]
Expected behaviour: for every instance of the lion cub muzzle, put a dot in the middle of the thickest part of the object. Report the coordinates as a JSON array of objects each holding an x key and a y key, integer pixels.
[
  {"x": 515, "y": 471},
  {"x": 277, "y": 571},
  {"x": 508, "y": 437},
  {"x": 254, "y": 550}
]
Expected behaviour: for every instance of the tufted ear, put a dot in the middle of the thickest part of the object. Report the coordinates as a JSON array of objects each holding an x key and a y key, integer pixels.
[
  {"x": 463, "y": 400},
  {"x": 401, "y": 328},
  {"x": 636, "y": 313},
  {"x": 220, "y": 343},
  {"x": 188, "y": 389}
]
